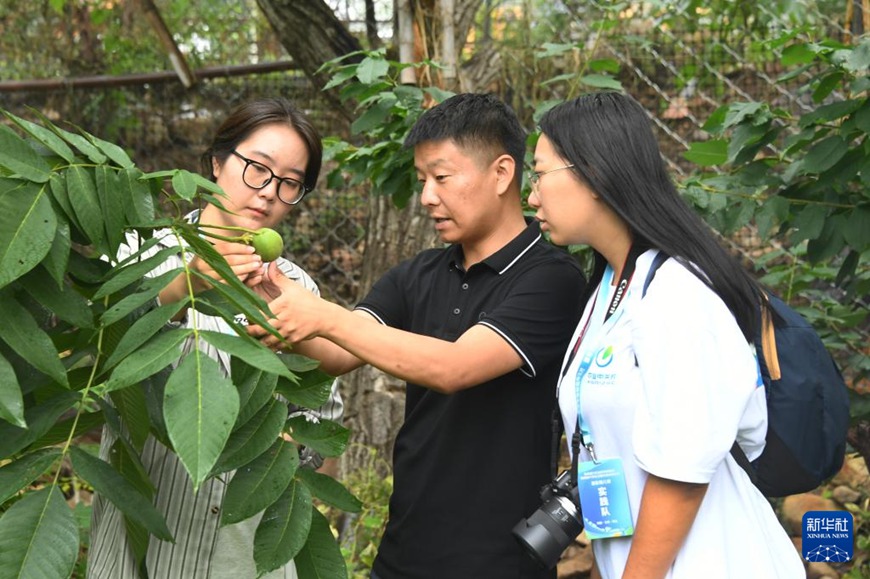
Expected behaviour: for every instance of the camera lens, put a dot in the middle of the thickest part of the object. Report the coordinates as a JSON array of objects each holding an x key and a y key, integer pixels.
[{"x": 550, "y": 529}]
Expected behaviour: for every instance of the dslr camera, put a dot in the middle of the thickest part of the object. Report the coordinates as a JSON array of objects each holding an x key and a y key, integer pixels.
[{"x": 547, "y": 533}]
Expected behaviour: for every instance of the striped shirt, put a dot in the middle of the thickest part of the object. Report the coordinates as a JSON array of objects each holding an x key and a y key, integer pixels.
[{"x": 202, "y": 548}]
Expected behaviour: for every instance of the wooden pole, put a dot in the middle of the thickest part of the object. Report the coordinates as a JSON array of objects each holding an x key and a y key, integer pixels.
[
  {"x": 188, "y": 79},
  {"x": 49, "y": 84}
]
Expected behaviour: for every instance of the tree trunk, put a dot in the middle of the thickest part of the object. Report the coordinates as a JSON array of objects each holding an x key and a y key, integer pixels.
[
  {"x": 372, "y": 25},
  {"x": 312, "y": 35},
  {"x": 374, "y": 401}
]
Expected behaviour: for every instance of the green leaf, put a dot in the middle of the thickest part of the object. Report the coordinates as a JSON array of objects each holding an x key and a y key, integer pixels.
[
  {"x": 83, "y": 195},
  {"x": 81, "y": 144},
  {"x": 826, "y": 85},
  {"x": 44, "y": 136},
  {"x": 862, "y": 118},
  {"x": 157, "y": 354},
  {"x": 19, "y": 473},
  {"x": 249, "y": 350},
  {"x": 829, "y": 243},
  {"x": 58, "y": 255},
  {"x": 737, "y": 214},
  {"x": 112, "y": 208},
  {"x": 144, "y": 329},
  {"x": 112, "y": 151},
  {"x": 797, "y": 54},
  {"x": 860, "y": 84},
  {"x": 125, "y": 459},
  {"x": 184, "y": 184},
  {"x": 64, "y": 301},
  {"x": 708, "y": 153},
  {"x": 715, "y": 123},
  {"x": 311, "y": 391},
  {"x": 739, "y": 112},
  {"x": 200, "y": 405},
  {"x": 259, "y": 484},
  {"x": 208, "y": 185},
  {"x": 27, "y": 228},
  {"x": 130, "y": 272},
  {"x": 131, "y": 405},
  {"x": 148, "y": 291},
  {"x": 21, "y": 333},
  {"x": 859, "y": 59},
  {"x": 284, "y": 529},
  {"x": 549, "y": 49},
  {"x": 238, "y": 291},
  {"x": 325, "y": 437},
  {"x": 773, "y": 212},
  {"x": 371, "y": 70},
  {"x": 19, "y": 158},
  {"x": 604, "y": 65},
  {"x": 809, "y": 222},
  {"x": 298, "y": 363},
  {"x": 136, "y": 197},
  {"x": 559, "y": 78},
  {"x": 39, "y": 420},
  {"x": 239, "y": 299},
  {"x": 745, "y": 142},
  {"x": 255, "y": 389},
  {"x": 137, "y": 540},
  {"x": 340, "y": 77},
  {"x": 601, "y": 81},
  {"x": 39, "y": 536},
  {"x": 857, "y": 229},
  {"x": 831, "y": 112},
  {"x": 374, "y": 116},
  {"x": 11, "y": 403},
  {"x": 824, "y": 154},
  {"x": 329, "y": 490},
  {"x": 848, "y": 268},
  {"x": 321, "y": 556},
  {"x": 253, "y": 438},
  {"x": 119, "y": 492},
  {"x": 61, "y": 431},
  {"x": 57, "y": 188}
]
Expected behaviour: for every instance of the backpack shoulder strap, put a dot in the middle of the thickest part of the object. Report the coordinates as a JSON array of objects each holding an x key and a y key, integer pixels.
[
  {"x": 736, "y": 451},
  {"x": 768, "y": 340},
  {"x": 658, "y": 260}
]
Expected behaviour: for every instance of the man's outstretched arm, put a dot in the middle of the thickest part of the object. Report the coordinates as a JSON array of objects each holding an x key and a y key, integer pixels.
[{"x": 343, "y": 340}]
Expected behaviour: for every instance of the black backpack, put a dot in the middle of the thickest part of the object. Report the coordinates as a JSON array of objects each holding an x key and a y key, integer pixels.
[{"x": 807, "y": 403}]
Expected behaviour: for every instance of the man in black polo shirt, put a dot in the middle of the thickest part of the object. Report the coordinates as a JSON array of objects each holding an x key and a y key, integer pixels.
[{"x": 478, "y": 330}]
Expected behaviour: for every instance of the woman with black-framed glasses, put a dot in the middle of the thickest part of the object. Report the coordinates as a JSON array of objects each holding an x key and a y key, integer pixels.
[
  {"x": 258, "y": 176},
  {"x": 257, "y": 142}
]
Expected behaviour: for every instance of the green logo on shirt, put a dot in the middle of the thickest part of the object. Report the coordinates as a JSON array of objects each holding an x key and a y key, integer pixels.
[{"x": 604, "y": 356}]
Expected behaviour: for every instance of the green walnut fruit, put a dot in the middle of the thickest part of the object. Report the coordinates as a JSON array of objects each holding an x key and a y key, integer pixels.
[{"x": 268, "y": 244}]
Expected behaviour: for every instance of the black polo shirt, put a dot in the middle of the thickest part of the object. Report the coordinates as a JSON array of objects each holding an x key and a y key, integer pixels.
[{"x": 468, "y": 466}]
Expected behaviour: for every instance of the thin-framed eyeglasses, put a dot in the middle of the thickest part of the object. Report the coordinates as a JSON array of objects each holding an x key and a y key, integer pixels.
[
  {"x": 535, "y": 176},
  {"x": 257, "y": 176}
]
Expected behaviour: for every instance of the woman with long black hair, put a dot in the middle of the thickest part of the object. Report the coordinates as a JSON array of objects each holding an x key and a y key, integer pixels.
[{"x": 659, "y": 382}]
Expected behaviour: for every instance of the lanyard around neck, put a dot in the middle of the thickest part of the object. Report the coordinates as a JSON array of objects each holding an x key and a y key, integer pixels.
[{"x": 581, "y": 432}]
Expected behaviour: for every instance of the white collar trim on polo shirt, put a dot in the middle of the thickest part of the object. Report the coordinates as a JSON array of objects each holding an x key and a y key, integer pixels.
[{"x": 521, "y": 254}]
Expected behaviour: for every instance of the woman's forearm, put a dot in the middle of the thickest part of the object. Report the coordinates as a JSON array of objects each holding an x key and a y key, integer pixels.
[{"x": 667, "y": 512}]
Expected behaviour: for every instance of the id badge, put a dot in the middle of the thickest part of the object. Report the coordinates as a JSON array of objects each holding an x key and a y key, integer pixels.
[{"x": 604, "y": 499}]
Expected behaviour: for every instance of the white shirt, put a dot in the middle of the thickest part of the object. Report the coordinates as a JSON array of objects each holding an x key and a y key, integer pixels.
[{"x": 672, "y": 385}]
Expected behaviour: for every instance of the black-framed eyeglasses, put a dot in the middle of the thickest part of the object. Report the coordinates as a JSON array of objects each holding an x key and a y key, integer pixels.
[
  {"x": 257, "y": 175},
  {"x": 535, "y": 176}
]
